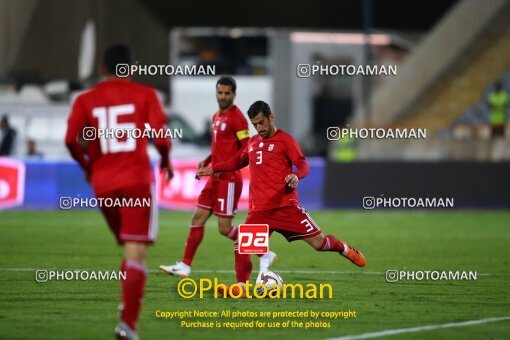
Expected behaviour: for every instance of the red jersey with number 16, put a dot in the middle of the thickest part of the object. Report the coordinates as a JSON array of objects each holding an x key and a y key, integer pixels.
[
  {"x": 116, "y": 104},
  {"x": 270, "y": 161}
]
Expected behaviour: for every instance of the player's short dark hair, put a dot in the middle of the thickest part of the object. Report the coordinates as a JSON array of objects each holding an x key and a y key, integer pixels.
[
  {"x": 116, "y": 54},
  {"x": 227, "y": 80},
  {"x": 258, "y": 107}
]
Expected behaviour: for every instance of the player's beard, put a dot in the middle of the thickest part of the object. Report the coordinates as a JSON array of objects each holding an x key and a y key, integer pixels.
[
  {"x": 265, "y": 133},
  {"x": 223, "y": 104}
]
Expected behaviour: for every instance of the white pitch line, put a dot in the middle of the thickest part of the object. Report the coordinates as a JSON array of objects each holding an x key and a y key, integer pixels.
[
  {"x": 304, "y": 271},
  {"x": 419, "y": 329},
  {"x": 229, "y": 271},
  {"x": 221, "y": 271},
  {"x": 298, "y": 271}
]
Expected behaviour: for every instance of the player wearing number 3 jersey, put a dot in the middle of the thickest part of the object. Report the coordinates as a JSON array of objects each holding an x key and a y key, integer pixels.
[
  {"x": 120, "y": 167},
  {"x": 221, "y": 194},
  {"x": 273, "y": 197}
]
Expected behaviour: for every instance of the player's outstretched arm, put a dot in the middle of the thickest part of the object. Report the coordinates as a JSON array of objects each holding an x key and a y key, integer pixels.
[
  {"x": 230, "y": 165},
  {"x": 235, "y": 163},
  {"x": 207, "y": 161}
]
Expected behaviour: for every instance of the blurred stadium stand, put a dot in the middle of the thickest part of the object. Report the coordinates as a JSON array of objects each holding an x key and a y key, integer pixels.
[
  {"x": 442, "y": 86},
  {"x": 479, "y": 112},
  {"x": 448, "y": 54},
  {"x": 448, "y": 69}
]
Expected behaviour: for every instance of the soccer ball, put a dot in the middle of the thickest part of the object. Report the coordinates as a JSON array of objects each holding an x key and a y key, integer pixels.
[{"x": 270, "y": 280}]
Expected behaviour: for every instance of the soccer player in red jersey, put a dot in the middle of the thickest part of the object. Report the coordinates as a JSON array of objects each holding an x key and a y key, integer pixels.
[
  {"x": 273, "y": 196},
  {"x": 221, "y": 194},
  {"x": 120, "y": 168}
]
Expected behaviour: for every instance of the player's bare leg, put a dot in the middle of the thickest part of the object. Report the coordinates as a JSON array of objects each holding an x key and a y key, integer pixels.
[
  {"x": 195, "y": 236},
  {"x": 331, "y": 243},
  {"x": 226, "y": 228},
  {"x": 132, "y": 288}
]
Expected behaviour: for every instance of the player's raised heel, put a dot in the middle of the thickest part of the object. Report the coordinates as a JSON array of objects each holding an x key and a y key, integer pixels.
[
  {"x": 180, "y": 268},
  {"x": 355, "y": 256}
]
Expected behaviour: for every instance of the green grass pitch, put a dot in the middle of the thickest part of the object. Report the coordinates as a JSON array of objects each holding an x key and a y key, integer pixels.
[{"x": 412, "y": 240}]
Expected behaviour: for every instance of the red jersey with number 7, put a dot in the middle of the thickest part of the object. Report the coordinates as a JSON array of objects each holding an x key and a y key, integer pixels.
[
  {"x": 270, "y": 161},
  {"x": 228, "y": 131},
  {"x": 116, "y": 163}
]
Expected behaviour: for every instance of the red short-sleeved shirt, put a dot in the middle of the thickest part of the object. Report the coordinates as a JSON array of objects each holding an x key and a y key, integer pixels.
[{"x": 122, "y": 104}]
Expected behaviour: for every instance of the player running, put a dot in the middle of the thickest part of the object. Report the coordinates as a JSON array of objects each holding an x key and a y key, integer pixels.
[
  {"x": 120, "y": 168},
  {"x": 221, "y": 194},
  {"x": 273, "y": 198}
]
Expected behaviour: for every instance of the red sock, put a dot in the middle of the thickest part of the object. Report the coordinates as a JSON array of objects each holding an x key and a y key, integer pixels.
[
  {"x": 195, "y": 236},
  {"x": 331, "y": 243},
  {"x": 132, "y": 292},
  {"x": 243, "y": 265},
  {"x": 232, "y": 233}
]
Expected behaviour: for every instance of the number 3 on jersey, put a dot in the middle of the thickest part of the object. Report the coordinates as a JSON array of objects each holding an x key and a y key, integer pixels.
[
  {"x": 259, "y": 157},
  {"x": 107, "y": 122}
]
